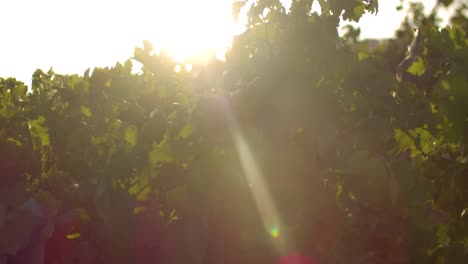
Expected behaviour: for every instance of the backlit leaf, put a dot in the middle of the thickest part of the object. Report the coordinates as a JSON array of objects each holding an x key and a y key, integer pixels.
[
  {"x": 417, "y": 67},
  {"x": 186, "y": 131},
  {"x": 20, "y": 90},
  {"x": 160, "y": 152},
  {"x": 363, "y": 55},
  {"x": 131, "y": 134},
  {"x": 86, "y": 111},
  {"x": 358, "y": 12},
  {"x": 39, "y": 131},
  {"x": 73, "y": 236}
]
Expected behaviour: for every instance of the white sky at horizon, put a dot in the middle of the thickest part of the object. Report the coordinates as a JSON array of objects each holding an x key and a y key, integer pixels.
[{"x": 73, "y": 35}]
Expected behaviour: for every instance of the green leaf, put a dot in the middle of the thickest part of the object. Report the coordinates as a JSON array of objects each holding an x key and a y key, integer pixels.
[
  {"x": 131, "y": 135},
  {"x": 161, "y": 152},
  {"x": 358, "y": 12},
  {"x": 86, "y": 111},
  {"x": 443, "y": 238},
  {"x": 404, "y": 141},
  {"x": 173, "y": 216},
  {"x": 425, "y": 139},
  {"x": 73, "y": 236},
  {"x": 374, "y": 6},
  {"x": 39, "y": 131},
  {"x": 20, "y": 90},
  {"x": 15, "y": 141},
  {"x": 363, "y": 55},
  {"x": 417, "y": 67},
  {"x": 140, "y": 186},
  {"x": 186, "y": 131},
  {"x": 98, "y": 140},
  {"x": 7, "y": 106}
]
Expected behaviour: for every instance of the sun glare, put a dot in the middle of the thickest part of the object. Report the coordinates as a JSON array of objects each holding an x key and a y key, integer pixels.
[
  {"x": 72, "y": 36},
  {"x": 191, "y": 30}
]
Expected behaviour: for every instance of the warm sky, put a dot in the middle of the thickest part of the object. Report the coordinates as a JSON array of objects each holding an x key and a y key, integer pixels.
[{"x": 73, "y": 35}]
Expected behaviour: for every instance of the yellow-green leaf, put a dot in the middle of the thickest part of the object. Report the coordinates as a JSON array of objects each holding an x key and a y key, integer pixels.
[
  {"x": 39, "y": 131},
  {"x": 16, "y": 141},
  {"x": 404, "y": 141},
  {"x": 131, "y": 135},
  {"x": 417, "y": 67},
  {"x": 186, "y": 131},
  {"x": 363, "y": 55},
  {"x": 20, "y": 90},
  {"x": 86, "y": 111},
  {"x": 359, "y": 11},
  {"x": 173, "y": 216},
  {"x": 160, "y": 152},
  {"x": 73, "y": 236},
  {"x": 97, "y": 140}
]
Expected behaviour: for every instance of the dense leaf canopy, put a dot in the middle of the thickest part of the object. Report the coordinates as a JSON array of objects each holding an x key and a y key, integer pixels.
[{"x": 302, "y": 147}]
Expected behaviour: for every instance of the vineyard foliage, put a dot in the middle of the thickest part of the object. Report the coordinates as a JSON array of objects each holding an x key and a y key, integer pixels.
[{"x": 360, "y": 146}]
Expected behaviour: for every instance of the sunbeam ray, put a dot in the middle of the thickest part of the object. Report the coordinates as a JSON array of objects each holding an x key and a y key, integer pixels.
[{"x": 258, "y": 187}]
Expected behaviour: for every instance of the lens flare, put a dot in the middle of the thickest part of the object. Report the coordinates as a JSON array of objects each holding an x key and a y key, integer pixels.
[
  {"x": 255, "y": 179},
  {"x": 274, "y": 232}
]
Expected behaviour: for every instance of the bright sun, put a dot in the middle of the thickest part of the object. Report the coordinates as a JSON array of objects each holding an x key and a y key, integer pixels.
[
  {"x": 74, "y": 35},
  {"x": 191, "y": 29}
]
